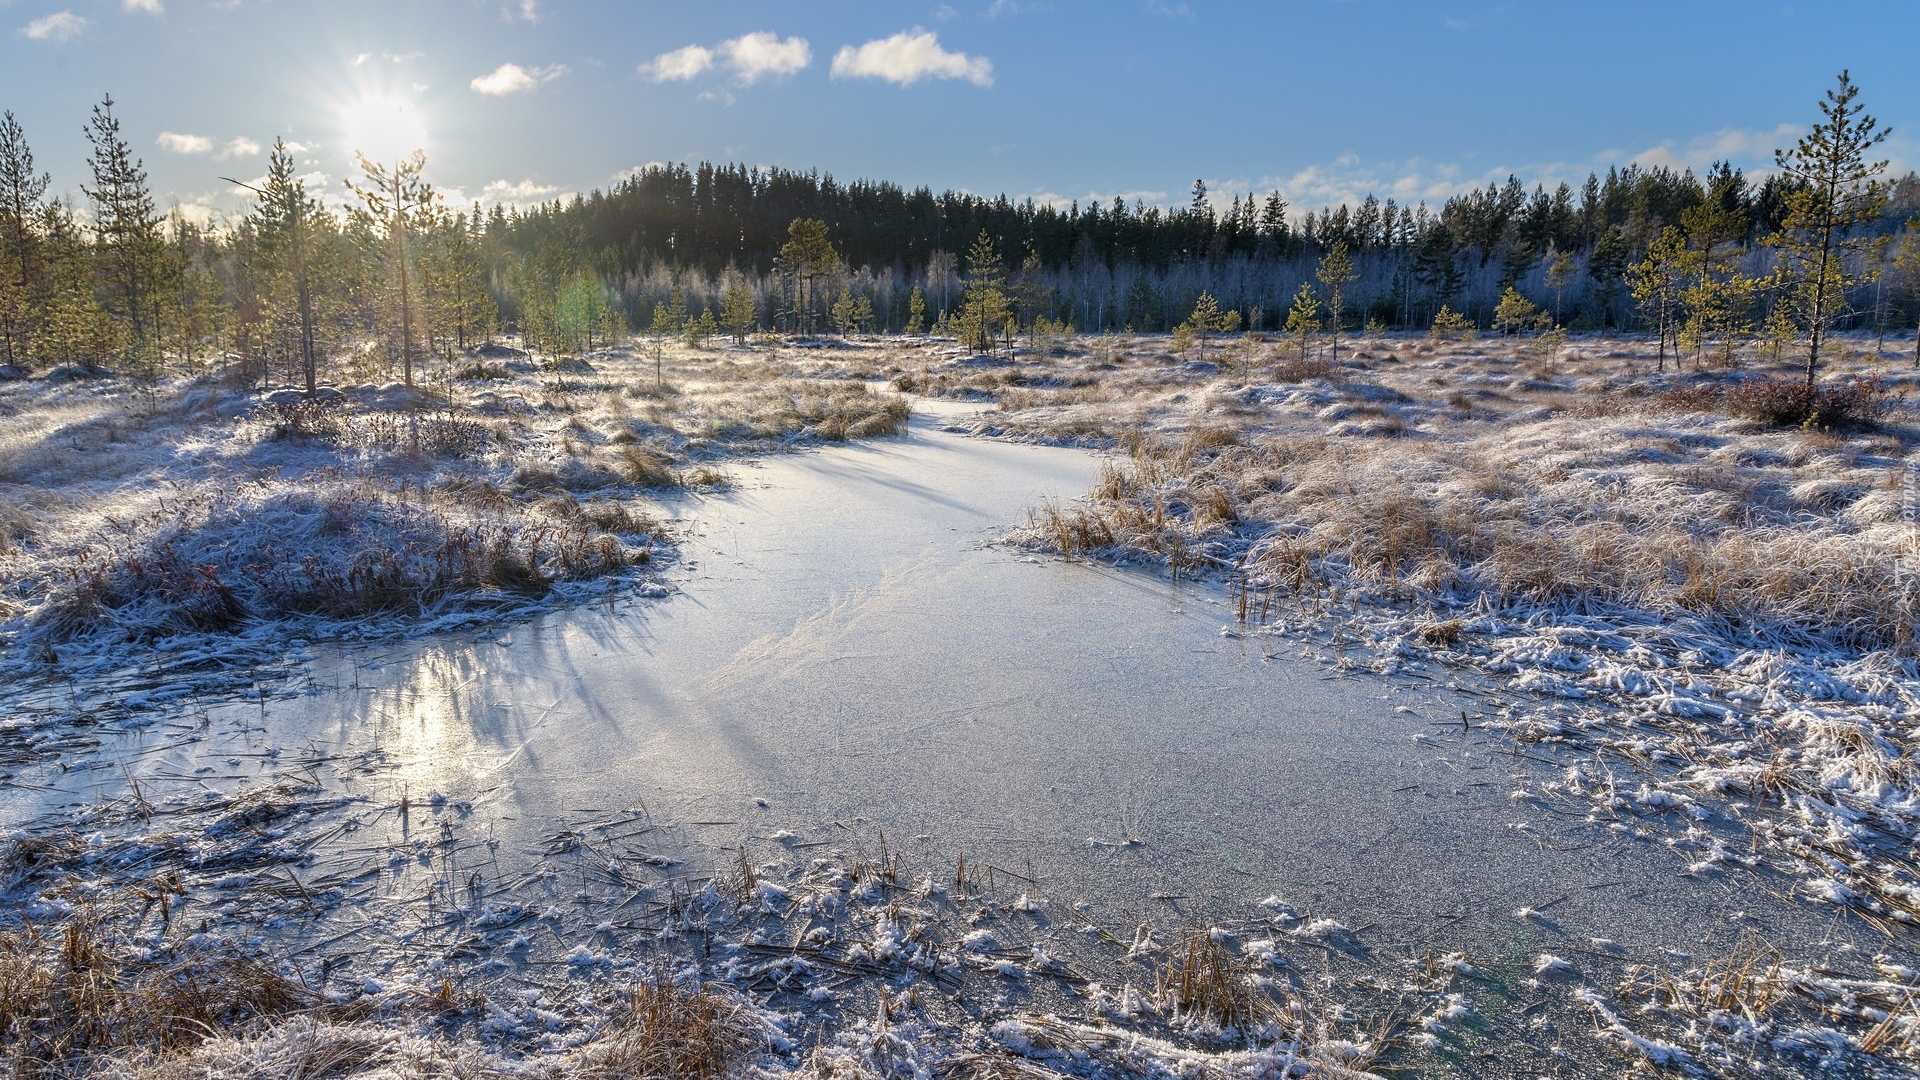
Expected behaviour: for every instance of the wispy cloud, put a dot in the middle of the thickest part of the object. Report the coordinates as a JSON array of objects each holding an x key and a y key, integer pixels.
[
  {"x": 1103, "y": 199},
  {"x": 1347, "y": 179},
  {"x": 517, "y": 192},
  {"x": 59, "y": 26},
  {"x": 1738, "y": 145},
  {"x": 241, "y": 147},
  {"x": 514, "y": 79},
  {"x": 174, "y": 142},
  {"x": 749, "y": 57},
  {"x": 389, "y": 57},
  {"x": 908, "y": 57},
  {"x": 635, "y": 172},
  {"x": 151, "y": 7},
  {"x": 686, "y": 62},
  {"x": 527, "y": 11},
  {"x": 755, "y": 56}
]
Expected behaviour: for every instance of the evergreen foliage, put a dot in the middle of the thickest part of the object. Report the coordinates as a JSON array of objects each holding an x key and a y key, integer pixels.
[{"x": 295, "y": 288}]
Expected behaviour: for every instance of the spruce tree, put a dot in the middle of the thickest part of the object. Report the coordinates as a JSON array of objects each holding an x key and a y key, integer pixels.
[{"x": 1836, "y": 190}]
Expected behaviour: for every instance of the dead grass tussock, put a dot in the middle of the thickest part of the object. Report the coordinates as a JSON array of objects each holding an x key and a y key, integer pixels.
[
  {"x": 1204, "y": 982},
  {"x": 70, "y": 999},
  {"x": 667, "y": 1030}
]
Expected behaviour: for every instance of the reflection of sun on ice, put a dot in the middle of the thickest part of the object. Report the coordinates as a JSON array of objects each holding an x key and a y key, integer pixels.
[{"x": 383, "y": 128}]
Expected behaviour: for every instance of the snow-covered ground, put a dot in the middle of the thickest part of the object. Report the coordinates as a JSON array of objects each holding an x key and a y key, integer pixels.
[
  {"x": 198, "y": 522},
  {"x": 1725, "y": 675}
]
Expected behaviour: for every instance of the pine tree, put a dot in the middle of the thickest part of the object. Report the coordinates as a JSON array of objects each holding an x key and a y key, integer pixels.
[
  {"x": 1836, "y": 191},
  {"x": 457, "y": 307},
  {"x": 658, "y": 331},
  {"x": 1905, "y": 267},
  {"x": 1336, "y": 272},
  {"x": 1560, "y": 274},
  {"x": 1656, "y": 282},
  {"x": 21, "y": 193},
  {"x": 1717, "y": 296},
  {"x": 580, "y": 314},
  {"x": 916, "y": 313},
  {"x": 1304, "y": 317},
  {"x": 736, "y": 308},
  {"x": 1208, "y": 319},
  {"x": 984, "y": 309},
  {"x": 843, "y": 312},
  {"x": 74, "y": 327},
  {"x": 286, "y": 223},
  {"x": 1030, "y": 293},
  {"x": 392, "y": 200},
  {"x": 807, "y": 256},
  {"x": 1515, "y": 314},
  {"x": 127, "y": 235}
]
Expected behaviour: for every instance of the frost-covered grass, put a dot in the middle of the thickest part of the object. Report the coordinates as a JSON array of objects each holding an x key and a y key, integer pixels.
[
  {"x": 131, "y": 948},
  {"x": 135, "y": 519},
  {"x": 1713, "y": 613}
]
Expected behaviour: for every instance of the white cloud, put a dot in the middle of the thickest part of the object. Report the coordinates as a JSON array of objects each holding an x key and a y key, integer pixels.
[
  {"x": 634, "y": 173},
  {"x": 238, "y": 148},
  {"x": 517, "y": 192},
  {"x": 907, "y": 57},
  {"x": 59, "y": 26},
  {"x": 1346, "y": 179},
  {"x": 679, "y": 65},
  {"x": 513, "y": 79},
  {"x": 151, "y": 7},
  {"x": 389, "y": 57},
  {"x": 527, "y": 11},
  {"x": 199, "y": 212},
  {"x": 752, "y": 56},
  {"x": 175, "y": 143},
  {"x": 1737, "y": 145}
]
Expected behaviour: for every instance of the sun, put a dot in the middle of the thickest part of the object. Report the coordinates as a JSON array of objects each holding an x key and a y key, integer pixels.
[{"x": 383, "y": 128}]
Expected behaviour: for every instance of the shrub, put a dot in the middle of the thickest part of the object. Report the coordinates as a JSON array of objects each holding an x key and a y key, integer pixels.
[{"x": 1792, "y": 403}]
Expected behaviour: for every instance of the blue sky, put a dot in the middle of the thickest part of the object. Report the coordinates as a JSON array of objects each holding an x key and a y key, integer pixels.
[{"x": 1052, "y": 99}]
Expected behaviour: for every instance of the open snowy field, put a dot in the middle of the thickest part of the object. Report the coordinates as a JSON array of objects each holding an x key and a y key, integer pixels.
[{"x": 1508, "y": 715}]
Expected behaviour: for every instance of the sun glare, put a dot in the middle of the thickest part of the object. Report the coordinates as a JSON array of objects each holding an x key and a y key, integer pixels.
[{"x": 383, "y": 128}]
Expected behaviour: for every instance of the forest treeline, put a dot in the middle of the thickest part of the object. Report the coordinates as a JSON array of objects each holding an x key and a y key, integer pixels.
[{"x": 398, "y": 278}]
